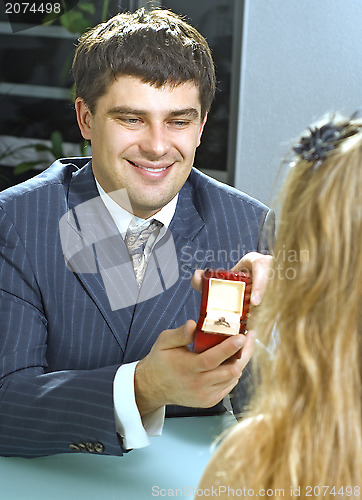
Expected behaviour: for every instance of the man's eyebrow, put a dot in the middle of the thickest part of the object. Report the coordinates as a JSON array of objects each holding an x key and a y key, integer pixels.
[
  {"x": 125, "y": 110},
  {"x": 189, "y": 112}
]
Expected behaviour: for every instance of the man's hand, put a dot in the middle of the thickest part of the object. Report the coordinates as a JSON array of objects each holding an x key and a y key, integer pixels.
[
  {"x": 172, "y": 374},
  {"x": 256, "y": 263},
  {"x": 259, "y": 265}
]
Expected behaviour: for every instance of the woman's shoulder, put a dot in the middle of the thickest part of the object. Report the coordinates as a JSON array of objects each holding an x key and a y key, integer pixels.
[
  {"x": 244, "y": 427},
  {"x": 233, "y": 458}
]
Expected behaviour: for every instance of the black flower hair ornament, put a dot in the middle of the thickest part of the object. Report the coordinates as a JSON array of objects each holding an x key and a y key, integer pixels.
[{"x": 315, "y": 147}]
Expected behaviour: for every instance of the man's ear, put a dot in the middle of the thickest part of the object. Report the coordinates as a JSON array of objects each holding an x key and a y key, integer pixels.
[
  {"x": 201, "y": 129},
  {"x": 84, "y": 118}
]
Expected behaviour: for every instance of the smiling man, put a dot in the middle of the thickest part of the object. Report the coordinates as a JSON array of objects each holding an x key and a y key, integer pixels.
[
  {"x": 143, "y": 139},
  {"x": 96, "y": 254}
]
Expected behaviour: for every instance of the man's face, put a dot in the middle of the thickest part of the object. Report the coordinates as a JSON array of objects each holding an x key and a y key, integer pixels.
[{"x": 143, "y": 139}]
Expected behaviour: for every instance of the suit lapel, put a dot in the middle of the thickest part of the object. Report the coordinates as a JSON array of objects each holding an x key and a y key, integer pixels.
[
  {"x": 159, "y": 313},
  {"x": 95, "y": 252}
]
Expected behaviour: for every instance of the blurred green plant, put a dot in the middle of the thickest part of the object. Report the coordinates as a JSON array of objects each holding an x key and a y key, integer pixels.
[
  {"x": 77, "y": 19},
  {"x": 56, "y": 150}
]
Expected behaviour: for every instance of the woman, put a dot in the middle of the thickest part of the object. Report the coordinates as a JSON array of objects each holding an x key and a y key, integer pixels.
[{"x": 303, "y": 433}]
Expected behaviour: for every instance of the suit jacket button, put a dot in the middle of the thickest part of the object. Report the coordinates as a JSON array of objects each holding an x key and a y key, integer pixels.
[
  {"x": 99, "y": 448},
  {"x": 90, "y": 447},
  {"x": 120, "y": 439},
  {"x": 74, "y": 447}
]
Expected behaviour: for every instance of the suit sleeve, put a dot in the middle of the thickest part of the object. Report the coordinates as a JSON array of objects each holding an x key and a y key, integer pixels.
[
  {"x": 43, "y": 413},
  {"x": 267, "y": 233}
]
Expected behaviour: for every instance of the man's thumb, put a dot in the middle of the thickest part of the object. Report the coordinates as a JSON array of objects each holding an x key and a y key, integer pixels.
[{"x": 181, "y": 336}]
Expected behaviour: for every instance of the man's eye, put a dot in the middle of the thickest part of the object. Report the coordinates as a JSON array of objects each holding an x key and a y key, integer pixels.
[
  {"x": 180, "y": 123},
  {"x": 131, "y": 121}
]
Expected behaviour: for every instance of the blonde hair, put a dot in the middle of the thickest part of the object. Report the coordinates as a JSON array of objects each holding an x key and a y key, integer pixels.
[{"x": 304, "y": 427}]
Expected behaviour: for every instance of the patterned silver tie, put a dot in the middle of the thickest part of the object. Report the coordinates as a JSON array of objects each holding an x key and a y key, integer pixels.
[{"x": 136, "y": 242}]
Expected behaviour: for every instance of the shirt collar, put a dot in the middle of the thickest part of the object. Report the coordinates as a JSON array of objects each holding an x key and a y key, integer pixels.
[{"x": 123, "y": 218}]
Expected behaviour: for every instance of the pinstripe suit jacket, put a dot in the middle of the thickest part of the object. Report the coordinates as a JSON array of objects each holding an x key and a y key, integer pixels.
[{"x": 61, "y": 342}]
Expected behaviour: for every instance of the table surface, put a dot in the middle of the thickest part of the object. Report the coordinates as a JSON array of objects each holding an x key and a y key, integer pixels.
[{"x": 170, "y": 467}]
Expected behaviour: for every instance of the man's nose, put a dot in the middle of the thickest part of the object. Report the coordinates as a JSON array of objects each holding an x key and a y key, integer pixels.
[{"x": 155, "y": 142}]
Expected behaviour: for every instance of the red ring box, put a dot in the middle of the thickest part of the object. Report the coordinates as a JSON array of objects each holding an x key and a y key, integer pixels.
[{"x": 224, "y": 311}]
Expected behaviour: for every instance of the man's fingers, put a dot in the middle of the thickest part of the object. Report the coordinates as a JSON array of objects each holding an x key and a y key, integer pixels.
[
  {"x": 259, "y": 265},
  {"x": 215, "y": 356},
  {"x": 261, "y": 274},
  {"x": 256, "y": 263},
  {"x": 196, "y": 281},
  {"x": 248, "y": 348},
  {"x": 179, "y": 337}
]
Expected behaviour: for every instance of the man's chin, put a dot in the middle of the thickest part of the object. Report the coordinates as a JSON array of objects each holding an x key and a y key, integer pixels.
[{"x": 147, "y": 210}]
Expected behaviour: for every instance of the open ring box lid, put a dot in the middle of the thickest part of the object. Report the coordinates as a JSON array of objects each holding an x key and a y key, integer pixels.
[{"x": 224, "y": 311}]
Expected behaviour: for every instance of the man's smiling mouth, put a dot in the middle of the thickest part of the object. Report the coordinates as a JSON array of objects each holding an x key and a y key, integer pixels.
[{"x": 150, "y": 169}]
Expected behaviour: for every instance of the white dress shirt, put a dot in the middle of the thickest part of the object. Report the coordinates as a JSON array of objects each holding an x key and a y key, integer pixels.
[{"x": 134, "y": 430}]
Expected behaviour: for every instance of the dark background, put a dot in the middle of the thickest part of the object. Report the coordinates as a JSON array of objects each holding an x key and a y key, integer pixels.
[{"x": 33, "y": 60}]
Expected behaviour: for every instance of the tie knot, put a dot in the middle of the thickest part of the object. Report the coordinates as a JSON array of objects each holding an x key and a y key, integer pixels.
[{"x": 136, "y": 239}]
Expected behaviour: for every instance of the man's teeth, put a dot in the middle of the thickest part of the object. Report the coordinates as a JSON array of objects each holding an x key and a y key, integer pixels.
[{"x": 151, "y": 169}]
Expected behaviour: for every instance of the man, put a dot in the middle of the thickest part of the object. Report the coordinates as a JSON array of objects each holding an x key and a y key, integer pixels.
[{"x": 95, "y": 330}]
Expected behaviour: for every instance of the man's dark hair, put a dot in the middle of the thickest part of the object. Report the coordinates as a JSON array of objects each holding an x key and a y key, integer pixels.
[{"x": 158, "y": 47}]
